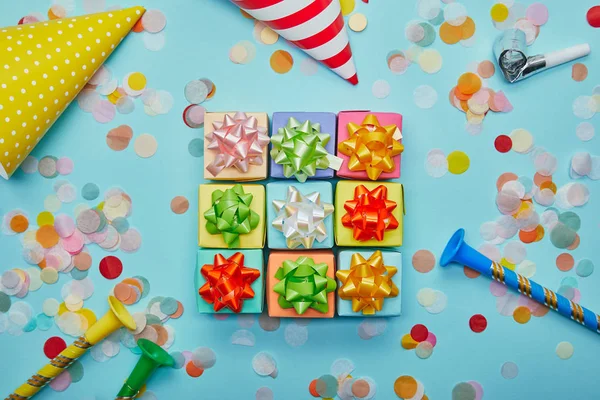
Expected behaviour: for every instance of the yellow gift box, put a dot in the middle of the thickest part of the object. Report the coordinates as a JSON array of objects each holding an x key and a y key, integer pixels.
[
  {"x": 255, "y": 171},
  {"x": 344, "y": 236},
  {"x": 255, "y": 239}
]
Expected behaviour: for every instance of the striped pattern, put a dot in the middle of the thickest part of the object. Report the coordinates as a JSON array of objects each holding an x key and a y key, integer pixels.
[{"x": 315, "y": 26}]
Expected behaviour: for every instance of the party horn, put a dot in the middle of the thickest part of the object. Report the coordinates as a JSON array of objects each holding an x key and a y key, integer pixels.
[
  {"x": 153, "y": 357},
  {"x": 116, "y": 317},
  {"x": 510, "y": 51},
  {"x": 459, "y": 252}
]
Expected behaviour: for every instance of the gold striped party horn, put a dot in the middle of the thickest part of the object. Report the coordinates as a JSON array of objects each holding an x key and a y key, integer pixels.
[{"x": 115, "y": 318}]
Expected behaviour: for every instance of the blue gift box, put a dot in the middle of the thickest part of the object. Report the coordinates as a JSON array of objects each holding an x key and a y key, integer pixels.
[
  {"x": 279, "y": 191},
  {"x": 252, "y": 259},
  {"x": 392, "y": 306},
  {"x": 328, "y": 123}
]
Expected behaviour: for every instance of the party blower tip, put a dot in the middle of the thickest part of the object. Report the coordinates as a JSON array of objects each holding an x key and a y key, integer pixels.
[
  {"x": 457, "y": 251},
  {"x": 510, "y": 51}
]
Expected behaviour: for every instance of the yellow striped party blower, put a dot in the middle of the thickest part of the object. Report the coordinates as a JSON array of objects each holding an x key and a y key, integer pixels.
[
  {"x": 43, "y": 68},
  {"x": 457, "y": 251},
  {"x": 115, "y": 318}
]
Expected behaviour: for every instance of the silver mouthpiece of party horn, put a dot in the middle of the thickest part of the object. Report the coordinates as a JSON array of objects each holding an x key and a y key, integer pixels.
[{"x": 510, "y": 51}]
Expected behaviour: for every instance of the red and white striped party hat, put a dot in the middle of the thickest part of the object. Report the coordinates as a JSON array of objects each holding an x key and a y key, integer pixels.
[{"x": 315, "y": 26}]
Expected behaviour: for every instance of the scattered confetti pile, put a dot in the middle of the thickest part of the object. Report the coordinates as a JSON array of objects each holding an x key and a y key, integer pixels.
[{"x": 421, "y": 340}]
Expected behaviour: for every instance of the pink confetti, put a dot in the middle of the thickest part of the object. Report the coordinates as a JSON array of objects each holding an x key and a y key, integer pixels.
[
  {"x": 104, "y": 111},
  {"x": 61, "y": 382},
  {"x": 576, "y": 295},
  {"x": 64, "y": 225},
  {"x": 64, "y": 166},
  {"x": 431, "y": 339},
  {"x": 74, "y": 243},
  {"x": 537, "y": 13},
  {"x": 497, "y": 289},
  {"x": 478, "y": 389}
]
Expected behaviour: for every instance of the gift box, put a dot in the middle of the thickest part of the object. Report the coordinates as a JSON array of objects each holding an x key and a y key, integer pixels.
[
  {"x": 301, "y": 284},
  {"x": 229, "y": 281},
  {"x": 381, "y": 137},
  {"x": 235, "y": 146},
  {"x": 300, "y": 216},
  {"x": 231, "y": 216},
  {"x": 368, "y": 213},
  {"x": 296, "y": 152},
  {"x": 369, "y": 283}
]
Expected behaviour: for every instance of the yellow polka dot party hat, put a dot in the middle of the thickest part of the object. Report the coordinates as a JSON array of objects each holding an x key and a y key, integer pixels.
[{"x": 43, "y": 66}]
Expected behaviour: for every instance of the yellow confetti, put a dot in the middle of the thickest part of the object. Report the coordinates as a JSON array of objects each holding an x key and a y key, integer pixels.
[
  {"x": 505, "y": 263},
  {"x": 458, "y": 162},
  {"x": 357, "y": 22},
  {"x": 45, "y": 218},
  {"x": 408, "y": 342},
  {"x": 137, "y": 81},
  {"x": 347, "y": 6},
  {"x": 499, "y": 12},
  {"x": 522, "y": 314}
]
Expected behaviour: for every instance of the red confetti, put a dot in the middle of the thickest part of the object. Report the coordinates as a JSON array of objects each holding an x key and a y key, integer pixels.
[
  {"x": 478, "y": 323},
  {"x": 503, "y": 143},
  {"x": 312, "y": 388},
  {"x": 419, "y": 333},
  {"x": 593, "y": 16},
  {"x": 54, "y": 346},
  {"x": 111, "y": 267}
]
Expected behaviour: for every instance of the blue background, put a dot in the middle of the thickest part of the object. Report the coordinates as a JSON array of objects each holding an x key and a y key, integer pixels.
[{"x": 199, "y": 36}]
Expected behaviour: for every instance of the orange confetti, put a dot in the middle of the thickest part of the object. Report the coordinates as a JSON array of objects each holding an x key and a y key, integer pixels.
[
  {"x": 192, "y": 370},
  {"x": 505, "y": 177},
  {"x": 138, "y": 27},
  {"x": 469, "y": 83},
  {"x": 450, "y": 34},
  {"x": 575, "y": 243},
  {"x": 548, "y": 185},
  {"x": 528, "y": 237},
  {"x": 405, "y": 387},
  {"x": 538, "y": 179},
  {"x": 467, "y": 28},
  {"x": 281, "y": 61},
  {"x": 470, "y": 273},
  {"x": 540, "y": 233},
  {"x": 19, "y": 223},
  {"x": 565, "y": 262},
  {"x": 47, "y": 236},
  {"x": 408, "y": 342},
  {"x": 522, "y": 315},
  {"x": 179, "y": 312},
  {"x": 312, "y": 388}
]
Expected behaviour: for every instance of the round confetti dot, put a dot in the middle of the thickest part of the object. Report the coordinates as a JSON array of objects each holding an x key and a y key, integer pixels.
[
  {"x": 450, "y": 34},
  {"x": 196, "y": 147},
  {"x": 424, "y": 350},
  {"x": 564, "y": 350},
  {"x": 118, "y": 138},
  {"x": 463, "y": 391},
  {"x": 90, "y": 191},
  {"x": 360, "y": 388},
  {"x": 478, "y": 323},
  {"x": 54, "y": 346},
  {"x": 347, "y": 6},
  {"x": 537, "y": 13},
  {"x": 408, "y": 342},
  {"x": 19, "y": 223},
  {"x": 281, "y": 61},
  {"x": 46, "y": 236},
  {"x": 45, "y": 218},
  {"x": 357, "y": 22},
  {"x": 423, "y": 261},
  {"x": 381, "y": 89},
  {"x": 503, "y": 143},
  {"x": 327, "y": 386},
  {"x": 565, "y": 262},
  {"x": 5, "y": 302},
  {"x": 430, "y": 61},
  {"x": 486, "y": 69},
  {"x": 585, "y": 268},
  {"x": 471, "y": 273},
  {"x": 522, "y": 315},
  {"x": 419, "y": 332},
  {"x": 47, "y": 167},
  {"x": 312, "y": 388},
  {"x": 469, "y": 83},
  {"x": 137, "y": 81},
  {"x": 111, "y": 267},
  {"x": 405, "y": 387},
  {"x": 192, "y": 370},
  {"x": 585, "y": 131},
  {"x": 593, "y": 17},
  {"x": 64, "y": 166},
  {"x": 499, "y": 12},
  {"x": 264, "y": 393},
  {"x": 179, "y": 204},
  {"x": 204, "y": 357},
  {"x": 522, "y": 140},
  {"x": 509, "y": 370},
  {"x": 579, "y": 72},
  {"x": 145, "y": 145},
  {"x": 458, "y": 162},
  {"x": 425, "y": 96},
  {"x": 61, "y": 382},
  {"x": 49, "y": 275}
]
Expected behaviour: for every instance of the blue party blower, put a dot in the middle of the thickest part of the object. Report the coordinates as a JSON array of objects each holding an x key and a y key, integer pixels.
[{"x": 458, "y": 251}]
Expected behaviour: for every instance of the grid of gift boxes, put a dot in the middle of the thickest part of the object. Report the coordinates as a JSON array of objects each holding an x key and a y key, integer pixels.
[{"x": 298, "y": 215}]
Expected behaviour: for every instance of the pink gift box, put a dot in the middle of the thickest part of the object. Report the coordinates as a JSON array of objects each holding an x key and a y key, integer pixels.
[{"x": 384, "y": 118}]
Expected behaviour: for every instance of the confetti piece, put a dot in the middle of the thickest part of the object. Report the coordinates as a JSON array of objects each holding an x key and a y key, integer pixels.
[
  {"x": 458, "y": 162},
  {"x": 486, "y": 69},
  {"x": 478, "y": 323},
  {"x": 423, "y": 261},
  {"x": 441, "y": 301},
  {"x": 463, "y": 391},
  {"x": 585, "y": 268},
  {"x": 179, "y": 205},
  {"x": 192, "y": 370},
  {"x": 243, "y": 337},
  {"x": 204, "y": 357},
  {"x": 450, "y": 34},
  {"x": 405, "y": 387},
  {"x": 509, "y": 370},
  {"x": 408, "y": 342},
  {"x": 61, "y": 382},
  {"x": 264, "y": 364},
  {"x": 154, "y": 21},
  {"x": 585, "y": 131},
  {"x": 381, "y": 89},
  {"x": 503, "y": 143},
  {"x": 522, "y": 140},
  {"x": 593, "y": 16},
  {"x": 54, "y": 346},
  {"x": 424, "y": 350},
  {"x": 471, "y": 273},
  {"x": 281, "y": 61},
  {"x": 425, "y": 96},
  {"x": 579, "y": 72},
  {"x": 357, "y": 22},
  {"x": 564, "y": 350},
  {"x": 296, "y": 335},
  {"x": 436, "y": 163},
  {"x": 118, "y": 138},
  {"x": 242, "y": 52},
  {"x": 430, "y": 61},
  {"x": 145, "y": 145},
  {"x": 565, "y": 262},
  {"x": 419, "y": 332},
  {"x": 478, "y": 389},
  {"x": 327, "y": 386},
  {"x": 537, "y": 13},
  {"x": 499, "y": 12},
  {"x": 426, "y": 297},
  {"x": 347, "y": 6},
  {"x": 111, "y": 267},
  {"x": 455, "y": 14},
  {"x": 264, "y": 393},
  {"x": 522, "y": 315}
]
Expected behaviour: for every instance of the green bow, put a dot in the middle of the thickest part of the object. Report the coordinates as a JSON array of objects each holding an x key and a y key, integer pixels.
[
  {"x": 230, "y": 215},
  {"x": 299, "y": 148},
  {"x": 303, "y": 285}
]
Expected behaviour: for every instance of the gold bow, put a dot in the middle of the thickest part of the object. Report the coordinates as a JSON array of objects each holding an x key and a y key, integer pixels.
[
  {"x": 371, "y": 147},
  {"x": 367, "y": 283}
]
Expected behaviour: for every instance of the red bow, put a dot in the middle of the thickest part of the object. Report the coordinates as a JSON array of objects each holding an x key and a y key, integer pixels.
[
  {"x": 228, "y": 282},
  {"x": 369, "y": 213}
]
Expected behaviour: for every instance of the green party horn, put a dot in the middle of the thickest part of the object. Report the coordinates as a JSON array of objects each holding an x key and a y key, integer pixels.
[{"x": 153, "y": 357}]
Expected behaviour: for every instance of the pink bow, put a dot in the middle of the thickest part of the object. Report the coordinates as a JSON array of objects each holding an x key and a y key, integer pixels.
[{"x": 239, "y": 141}]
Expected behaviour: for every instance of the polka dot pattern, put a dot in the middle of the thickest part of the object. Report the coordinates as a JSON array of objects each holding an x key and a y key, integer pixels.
[{"x": 48, "y": 64}]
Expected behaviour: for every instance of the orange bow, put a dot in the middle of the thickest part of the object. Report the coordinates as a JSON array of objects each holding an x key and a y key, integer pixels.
[
  {"x": 367, "y": 283},
  {"x": 371, "y": 147},
  {"x": 369, "y": 213}
]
